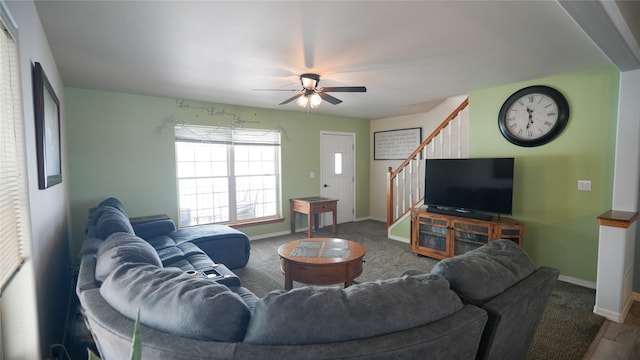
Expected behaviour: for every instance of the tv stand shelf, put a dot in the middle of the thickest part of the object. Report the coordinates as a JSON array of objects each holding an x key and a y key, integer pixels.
[{"x": 441, "y": 236}]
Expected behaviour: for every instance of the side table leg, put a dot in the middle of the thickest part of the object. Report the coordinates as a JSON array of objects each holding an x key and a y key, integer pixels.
[
  {"x": 310, "y": 217},
  {"x": 335, "y": 221},
  {"x": 293, "y": 220}
]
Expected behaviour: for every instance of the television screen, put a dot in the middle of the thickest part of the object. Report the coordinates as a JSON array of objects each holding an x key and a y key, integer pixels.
[{"x": 482, "y": 184}]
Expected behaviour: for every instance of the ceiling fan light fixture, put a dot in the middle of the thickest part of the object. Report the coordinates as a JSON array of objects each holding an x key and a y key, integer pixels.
[
  {"x": 303, "y": 101},
  {"x": 312, "y": 100},
  {"x": 311, "y": 96},
  {"x": 315, "y": 100},
  {"x": 309, "y": 81}
]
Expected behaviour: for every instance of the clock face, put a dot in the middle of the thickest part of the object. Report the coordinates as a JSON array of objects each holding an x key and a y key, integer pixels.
[{"x": 533, "y": 116}]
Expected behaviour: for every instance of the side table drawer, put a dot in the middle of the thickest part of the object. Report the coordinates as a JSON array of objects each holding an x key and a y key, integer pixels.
[{"x": 323, "y": 207}]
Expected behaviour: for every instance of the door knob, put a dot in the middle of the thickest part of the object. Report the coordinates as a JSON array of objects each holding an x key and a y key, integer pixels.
[{"x": 325, "y": 185}]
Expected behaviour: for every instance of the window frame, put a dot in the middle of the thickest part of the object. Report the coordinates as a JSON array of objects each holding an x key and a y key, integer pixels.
[{"x": 232, "y": 139}]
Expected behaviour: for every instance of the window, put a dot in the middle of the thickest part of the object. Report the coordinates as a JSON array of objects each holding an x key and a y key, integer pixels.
[
  {"x": 227, "y": 175},
  {"x": 14, "y": 219},
  {"x": 337, "y": 163}
]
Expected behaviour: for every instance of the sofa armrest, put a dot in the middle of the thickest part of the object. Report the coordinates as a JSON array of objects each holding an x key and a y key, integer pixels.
[
  {"x": 515, "y": 314},
  {"x": 149, "y": 218},
  {"x": 153, "y": 228},
  {"x": 86, "y": 278}
]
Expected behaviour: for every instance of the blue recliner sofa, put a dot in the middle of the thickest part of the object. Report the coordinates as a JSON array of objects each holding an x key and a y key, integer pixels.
[
  {"x": 485, "y": 304},
  {"x": 220, "y": 243}
]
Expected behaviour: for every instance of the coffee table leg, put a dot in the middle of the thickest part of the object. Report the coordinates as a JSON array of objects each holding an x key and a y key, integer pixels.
[{"x": 288, "y": 282}]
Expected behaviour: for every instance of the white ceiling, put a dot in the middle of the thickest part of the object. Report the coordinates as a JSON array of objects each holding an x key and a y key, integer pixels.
[{"x": 409, "y": 55}]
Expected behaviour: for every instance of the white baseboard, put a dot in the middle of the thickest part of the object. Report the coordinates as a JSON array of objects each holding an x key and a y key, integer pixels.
[
  {"x": 398, "y": 238},
  {"x": 611, "y": 315},
  {"x": 263, "y": 236},
  {"x": 576, "y": 281},
  {"x": 304, "y": 229},
  {"x": 368, "y": 218}
]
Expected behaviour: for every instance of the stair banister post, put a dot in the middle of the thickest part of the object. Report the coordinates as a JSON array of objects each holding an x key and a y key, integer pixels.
[{"x": 390, "y": 176}]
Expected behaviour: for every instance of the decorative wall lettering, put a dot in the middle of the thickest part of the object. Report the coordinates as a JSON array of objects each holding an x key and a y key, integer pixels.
[{"x": 395, "y": 144}]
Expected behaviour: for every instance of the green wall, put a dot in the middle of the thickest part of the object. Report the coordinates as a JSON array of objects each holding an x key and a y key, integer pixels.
[
  {"x": 122, "y": 145},
  {"x": 561, "y": 228}
]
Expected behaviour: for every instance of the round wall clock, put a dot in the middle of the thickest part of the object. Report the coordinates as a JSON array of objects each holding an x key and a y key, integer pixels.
[{"x": 533, "y": 116}]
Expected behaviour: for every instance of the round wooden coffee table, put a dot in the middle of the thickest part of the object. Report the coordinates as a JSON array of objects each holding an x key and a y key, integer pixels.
[{"x": 321, "y": 261}]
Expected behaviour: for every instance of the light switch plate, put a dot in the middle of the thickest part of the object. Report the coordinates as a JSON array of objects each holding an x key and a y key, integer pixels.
[{"x": 584, "y": 185}]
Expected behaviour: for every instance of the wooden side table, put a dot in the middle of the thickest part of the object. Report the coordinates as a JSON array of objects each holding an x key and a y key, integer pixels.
[{"x": 313, "y": 206}]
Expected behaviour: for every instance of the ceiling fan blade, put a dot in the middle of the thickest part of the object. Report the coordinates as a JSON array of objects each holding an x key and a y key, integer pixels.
[
  {"x": 291, "y": 99},
  {"x": 328, "y": 98},
  {"x": 344, "y": 89},
  {"x": 275, "y": 89}
]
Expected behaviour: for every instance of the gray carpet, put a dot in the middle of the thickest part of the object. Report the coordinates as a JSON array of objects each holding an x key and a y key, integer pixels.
[{"x": 567, "y": 328}]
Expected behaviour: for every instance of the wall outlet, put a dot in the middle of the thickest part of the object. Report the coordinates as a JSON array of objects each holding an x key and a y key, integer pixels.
[
  {"x": 312, "y": 175},
  {"x": 584, "y": 185}
]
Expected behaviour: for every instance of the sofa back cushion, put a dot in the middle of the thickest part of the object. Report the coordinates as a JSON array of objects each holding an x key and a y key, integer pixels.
[
  {"x": 113, "y": 202},
  {"x": 112, "y": 220},
  {"x": 484, "y": 273},
  {"x": 314, "y": 315},
  {"x": 172, "y": 301},
  {"x": 95, "y": 213},
  {"x": 121, "y": 248}
]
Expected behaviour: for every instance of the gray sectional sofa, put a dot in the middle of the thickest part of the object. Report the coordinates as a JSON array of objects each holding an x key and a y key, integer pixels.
[{"x": 462, "y": 310}]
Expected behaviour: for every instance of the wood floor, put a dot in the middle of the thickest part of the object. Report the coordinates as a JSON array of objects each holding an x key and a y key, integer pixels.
[{"x": 618, "y": 341}]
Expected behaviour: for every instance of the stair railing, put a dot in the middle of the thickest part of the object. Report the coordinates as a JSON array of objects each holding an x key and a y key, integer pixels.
[{"x": 405, "y": 185}]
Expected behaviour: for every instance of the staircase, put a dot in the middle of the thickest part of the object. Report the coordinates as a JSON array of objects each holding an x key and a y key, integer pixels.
[{"x": 405, "y": 185}]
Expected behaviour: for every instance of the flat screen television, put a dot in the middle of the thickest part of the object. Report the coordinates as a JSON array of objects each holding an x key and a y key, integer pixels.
[{"x": 469, "y": 187}]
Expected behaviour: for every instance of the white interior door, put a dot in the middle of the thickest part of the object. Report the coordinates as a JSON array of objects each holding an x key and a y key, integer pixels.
[{"x": 338, "y": 174}]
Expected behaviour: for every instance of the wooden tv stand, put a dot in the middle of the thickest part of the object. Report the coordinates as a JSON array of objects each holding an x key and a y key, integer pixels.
[{"x": 442, "y": 236}]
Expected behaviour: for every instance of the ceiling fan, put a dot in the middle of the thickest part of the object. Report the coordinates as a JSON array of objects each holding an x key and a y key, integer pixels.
[{"x": 311, "y": 95}]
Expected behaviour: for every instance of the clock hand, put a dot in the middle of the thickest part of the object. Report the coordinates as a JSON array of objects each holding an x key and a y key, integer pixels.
[{"x": 530, "y": 118}]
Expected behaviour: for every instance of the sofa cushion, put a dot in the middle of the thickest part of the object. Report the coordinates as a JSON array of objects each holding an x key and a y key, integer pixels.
[
  {"x": 221, "y": 243},
  {"x": 481, "y": 274},
  {"x": 113, "y": 202},
  {"x": 152, "y": 229},
  {"x": 120, "y": 248},
  {"x": 112, "y": 220},
  {"x": 314, "y": 315},
  {"x": 95, "y": 213},
  {"x": 172, "y": 301},
  {"x": 184, "y": 256}
]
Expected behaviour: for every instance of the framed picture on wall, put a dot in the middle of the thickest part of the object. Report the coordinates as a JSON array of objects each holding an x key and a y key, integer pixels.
[
  {"x": 47, "y": 115},
  {"x": 395, "y": 144}
]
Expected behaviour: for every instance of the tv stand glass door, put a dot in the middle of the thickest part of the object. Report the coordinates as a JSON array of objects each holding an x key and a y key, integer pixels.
[{"x": 441, "y": 236}]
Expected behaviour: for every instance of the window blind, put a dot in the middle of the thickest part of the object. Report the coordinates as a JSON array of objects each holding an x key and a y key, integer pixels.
[
  {"x": 226, "y": 135},
  {"x": 14, "y": 226}
]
